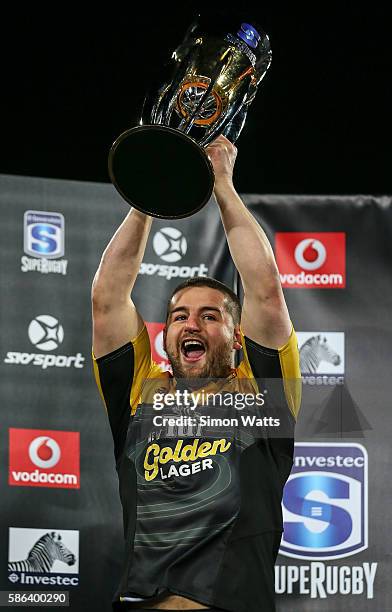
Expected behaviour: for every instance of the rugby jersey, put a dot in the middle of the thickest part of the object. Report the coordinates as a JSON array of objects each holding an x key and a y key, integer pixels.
[{"x": 201, "y": 504}]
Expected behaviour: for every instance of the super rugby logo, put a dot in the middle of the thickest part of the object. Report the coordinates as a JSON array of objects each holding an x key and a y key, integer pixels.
[
  {"x": 46, "y": 334},
  {"x": 44, "y": 242},
  {"x": 249, "y": 34},
  {"x": 325, "y": 516},
  {"x": 170, "y": 245},
  {"x": 325, "y": 502}
]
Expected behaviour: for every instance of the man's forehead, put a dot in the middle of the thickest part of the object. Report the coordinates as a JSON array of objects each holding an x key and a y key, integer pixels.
[{"x": 194, "y": 296}]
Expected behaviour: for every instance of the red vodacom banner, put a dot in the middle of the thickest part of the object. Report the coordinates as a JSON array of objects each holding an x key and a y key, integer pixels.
[
  {"x": 43, "y": 458},
  {"x": 155, "y": 331},
  {"x": 311, "y": 260}
]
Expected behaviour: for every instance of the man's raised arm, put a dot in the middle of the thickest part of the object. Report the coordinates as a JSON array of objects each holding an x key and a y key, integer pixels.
[
  {"x": 115, "y": 318},
  {"x": 265, "y": 318}
]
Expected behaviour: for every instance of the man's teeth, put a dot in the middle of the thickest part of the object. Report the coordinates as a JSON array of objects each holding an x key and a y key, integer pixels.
[{"x": 192, "y": 343}]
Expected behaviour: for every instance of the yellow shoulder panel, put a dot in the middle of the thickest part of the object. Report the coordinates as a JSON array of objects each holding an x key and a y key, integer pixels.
[{"x": 289, "y": 363}]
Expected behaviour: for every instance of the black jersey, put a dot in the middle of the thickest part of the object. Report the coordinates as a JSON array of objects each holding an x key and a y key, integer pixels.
[{"x": 202, "y": 508}]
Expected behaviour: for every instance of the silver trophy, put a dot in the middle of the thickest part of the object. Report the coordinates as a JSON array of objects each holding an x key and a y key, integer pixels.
[{"x": 160, "y": 166}]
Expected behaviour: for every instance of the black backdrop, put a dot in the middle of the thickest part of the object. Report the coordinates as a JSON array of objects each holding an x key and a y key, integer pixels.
[
  {"x": 50, "y": 403},
  {"x": 321, "y": 122}
]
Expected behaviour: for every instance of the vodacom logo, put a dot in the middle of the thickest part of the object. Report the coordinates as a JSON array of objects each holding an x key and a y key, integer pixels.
[
  {"x": 315, "y": 260},
  {"x": 155, "y": 331},
  {"x": 310, "y": 254},
  {"x": 44, "y": 452},
  {"x": 44, "y": 458}
]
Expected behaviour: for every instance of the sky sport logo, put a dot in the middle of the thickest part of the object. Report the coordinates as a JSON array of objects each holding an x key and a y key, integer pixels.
[
  {"x": 44, "y": 557},
  {"x": 43, "y": 458},
  {"x": 44, "y": 241},
  {"x": 311, "y": 260},
  {"x": 46, "y": 334},
  {"x": 325, "y": 517},
  {"x": 321, "y": 357},
  {"x": 155, "y": 331},
  {"x": 170, "y": 245}
]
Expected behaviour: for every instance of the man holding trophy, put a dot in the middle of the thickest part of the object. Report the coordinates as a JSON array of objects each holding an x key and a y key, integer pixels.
[{"x": 202, "y": 510}]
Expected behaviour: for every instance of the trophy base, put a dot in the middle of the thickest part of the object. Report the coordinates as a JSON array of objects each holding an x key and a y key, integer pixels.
[{"x": 161, "y": 171}]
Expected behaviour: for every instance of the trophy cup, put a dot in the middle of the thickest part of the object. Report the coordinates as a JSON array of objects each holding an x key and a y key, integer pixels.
[{"x": 160, "y": 167}]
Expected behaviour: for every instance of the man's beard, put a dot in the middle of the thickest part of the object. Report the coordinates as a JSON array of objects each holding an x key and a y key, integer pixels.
[{"x": 218, "y": 365}]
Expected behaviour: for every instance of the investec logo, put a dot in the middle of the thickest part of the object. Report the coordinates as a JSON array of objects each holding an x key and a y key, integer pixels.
[
  {"x": 43, "y": 458},
  {"x": 155, "y": 331},
  {"x": 321, "y": 357},
  {"x": 44, "y": 240},
  {"x": 46, "y": 334},
  {"x": 325, "y": 517},
  {"x": 311, "y": 260},
  {"x": 170, "y": 245},
  {"x": 43, "y": 557}
]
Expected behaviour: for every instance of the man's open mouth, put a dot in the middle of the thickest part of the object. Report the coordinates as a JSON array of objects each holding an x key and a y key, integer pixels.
[{"x": 192, "y": 349}]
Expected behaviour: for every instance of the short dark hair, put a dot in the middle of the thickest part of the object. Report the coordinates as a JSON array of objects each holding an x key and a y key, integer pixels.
[{"x": 232, "y": 303}]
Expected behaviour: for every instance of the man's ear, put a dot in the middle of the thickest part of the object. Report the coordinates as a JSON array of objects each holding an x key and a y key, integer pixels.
[{"x": 237, "y": 344}]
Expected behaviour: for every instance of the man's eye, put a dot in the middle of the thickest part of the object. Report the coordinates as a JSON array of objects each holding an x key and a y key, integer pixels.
[
  {"x": 209, "y": 316},
  {"x": 180, "y": 317}
]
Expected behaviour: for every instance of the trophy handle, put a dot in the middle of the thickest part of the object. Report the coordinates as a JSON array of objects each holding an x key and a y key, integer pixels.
[
  {"x": 234, "y": 128},
  {"x": 159, "y": 115},
  {"x": 153, "y": 111},
  {"x": 218, "y": 127}
]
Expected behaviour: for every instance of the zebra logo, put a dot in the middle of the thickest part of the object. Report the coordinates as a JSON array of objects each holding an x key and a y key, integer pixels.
[
  {"x": 35, "y": 554},
  {"x": 321, "y": 352},
  {"x": 48, "y": 549}
]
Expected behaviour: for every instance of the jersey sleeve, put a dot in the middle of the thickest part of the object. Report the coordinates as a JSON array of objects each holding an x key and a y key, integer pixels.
[
  {"x": 271, "y": 364},
  {"x": 119, "y": 376}
]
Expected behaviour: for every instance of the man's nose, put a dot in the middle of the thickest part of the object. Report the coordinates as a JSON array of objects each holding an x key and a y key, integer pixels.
[{"x": 192, "y": 323}]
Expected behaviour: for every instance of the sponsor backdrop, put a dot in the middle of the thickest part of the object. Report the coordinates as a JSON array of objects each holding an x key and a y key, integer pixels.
[{"x": 61, "y": 522}]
